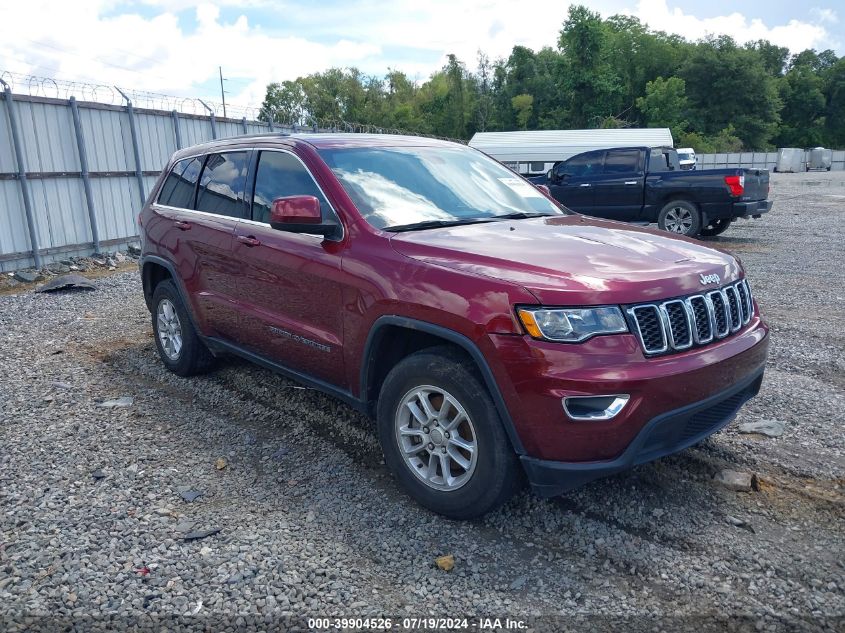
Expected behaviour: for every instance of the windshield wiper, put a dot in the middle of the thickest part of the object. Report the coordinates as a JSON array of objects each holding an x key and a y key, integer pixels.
[
  {"x": 434, "y": 224},
  {"x": 522, "y": 215}
]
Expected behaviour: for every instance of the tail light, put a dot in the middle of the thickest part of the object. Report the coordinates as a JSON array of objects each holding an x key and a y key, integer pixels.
[{"x": 736, "y": 184}]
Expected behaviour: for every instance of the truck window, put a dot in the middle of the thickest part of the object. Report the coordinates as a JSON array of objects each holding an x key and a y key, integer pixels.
[
  {"x": 582, "y": 165},
  {"x": 622, "y": 161},
  {"x": 659, "y": 161}
]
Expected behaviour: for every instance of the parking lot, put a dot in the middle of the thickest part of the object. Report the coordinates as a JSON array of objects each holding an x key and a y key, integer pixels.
[{"x": 94, "y": 519}]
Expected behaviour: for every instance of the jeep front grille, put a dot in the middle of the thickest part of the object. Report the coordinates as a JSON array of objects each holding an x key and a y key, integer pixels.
[{"x": 678, "y": 324}]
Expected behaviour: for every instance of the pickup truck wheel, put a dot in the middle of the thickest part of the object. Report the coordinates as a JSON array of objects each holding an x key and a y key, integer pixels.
[
  {"x": 179, "y": 347},
  {"x": 442, "y": 437},
  {"x": 717, "y": 227},
  {"x": 680, "y": 216}
]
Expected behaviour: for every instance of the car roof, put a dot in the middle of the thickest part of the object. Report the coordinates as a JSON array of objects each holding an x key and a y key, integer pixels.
[{"x": 318, "y": 140}]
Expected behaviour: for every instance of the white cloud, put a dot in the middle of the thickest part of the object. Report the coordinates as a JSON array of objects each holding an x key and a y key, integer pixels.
[
  {"x": 797, "y": 35},
  {"x": 117, "y": 42}
]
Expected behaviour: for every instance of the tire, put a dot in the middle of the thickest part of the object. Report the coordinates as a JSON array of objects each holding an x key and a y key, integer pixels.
[
  {"x": 680, "y": 217},
  {"x": 484, "y": 478},
  {"x": 717, "y": 227},
  {"x": 185, "y": 355}
]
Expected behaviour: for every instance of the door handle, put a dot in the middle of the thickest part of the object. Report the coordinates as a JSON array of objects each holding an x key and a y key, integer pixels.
[
  {"x": 585, "y": 184},
  {"x": 248, "y": 240},
  {"x": 182, "y": 225},
  {"x": 630, "y": 182}
]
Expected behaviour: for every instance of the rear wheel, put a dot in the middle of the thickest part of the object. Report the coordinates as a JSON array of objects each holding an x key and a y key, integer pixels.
[
  {"x": 681, "y": 217},
  {"x": 179, "y": 347},
  {"x": 717, "y": 227},
  {"x": 442, "y": 437}
]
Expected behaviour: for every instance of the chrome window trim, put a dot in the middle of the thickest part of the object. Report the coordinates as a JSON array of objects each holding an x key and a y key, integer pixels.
[
  {"x": 633, "y": 312},
  {"x": 256, "y": 148}
]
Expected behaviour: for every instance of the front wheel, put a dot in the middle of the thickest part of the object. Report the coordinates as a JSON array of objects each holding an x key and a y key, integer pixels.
[
  {"x": 442, "y": 437},
  {"x": 717, "y": 227},
  {"x": 681, "y": 217}
]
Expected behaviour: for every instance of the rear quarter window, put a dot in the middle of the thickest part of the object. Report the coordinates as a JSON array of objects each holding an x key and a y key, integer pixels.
[{"x": 178, "y": 189}]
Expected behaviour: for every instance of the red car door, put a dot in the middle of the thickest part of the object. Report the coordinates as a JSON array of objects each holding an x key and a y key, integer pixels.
[{"x": 289, "y": 286}]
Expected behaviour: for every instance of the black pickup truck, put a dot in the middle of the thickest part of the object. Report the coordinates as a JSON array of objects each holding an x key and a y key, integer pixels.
[{"x": 643, "y": 184}]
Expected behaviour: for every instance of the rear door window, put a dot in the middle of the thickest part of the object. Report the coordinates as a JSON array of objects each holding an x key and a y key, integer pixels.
[
  {"x": 222, "y": 184},
  {"x": 178, "y": 190},
  {"x": 622, "y": 161},
  {"x": 280, "y": 175}
]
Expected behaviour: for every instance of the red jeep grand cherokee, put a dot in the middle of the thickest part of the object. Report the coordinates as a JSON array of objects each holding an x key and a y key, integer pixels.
[{"x": 491, "y": 333}]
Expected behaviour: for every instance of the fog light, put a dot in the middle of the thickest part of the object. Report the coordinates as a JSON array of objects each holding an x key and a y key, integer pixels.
[{"x": 595, "y": 408}]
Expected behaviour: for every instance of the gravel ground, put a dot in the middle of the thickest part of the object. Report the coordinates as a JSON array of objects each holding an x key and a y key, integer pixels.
[{"x": 94, "y": 524}]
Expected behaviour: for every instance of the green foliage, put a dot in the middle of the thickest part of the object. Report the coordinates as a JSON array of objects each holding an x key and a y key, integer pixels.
[
  {"x": 616, "y": 72},
  {"x": 665, "y": 104}
]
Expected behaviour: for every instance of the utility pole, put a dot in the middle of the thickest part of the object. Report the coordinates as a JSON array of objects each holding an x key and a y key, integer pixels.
[{"x": 222, "y": 92}]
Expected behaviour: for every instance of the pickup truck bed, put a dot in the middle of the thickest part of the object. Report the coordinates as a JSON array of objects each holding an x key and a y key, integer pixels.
[{"x": 647, "y": 185}]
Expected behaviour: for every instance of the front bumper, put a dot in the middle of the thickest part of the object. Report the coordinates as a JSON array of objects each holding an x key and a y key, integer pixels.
[{"x": 665, "y": 434}]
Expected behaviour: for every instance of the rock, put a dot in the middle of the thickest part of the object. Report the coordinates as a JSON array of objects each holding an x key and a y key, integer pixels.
[
  {"x": 280, "y": 453},
  {"x": 220, "y": 463},
  {"x": 123, "y": 401},
  {"x": 120, "y": 258},
  {"x": 770, "y": 428},
  {"x": 190, "y": 495},
  {"x": 26, "y": 276},
  {"x": 133, "y": 250},
  {"x": 200, "y": 534},
  {"x": 741, "y": 523},
  {"x": 98, "y": 474},
  {"x": 735, "y": 480},
  {"x": 446, "y": 563},
  {"x": 519, "y": 583}
]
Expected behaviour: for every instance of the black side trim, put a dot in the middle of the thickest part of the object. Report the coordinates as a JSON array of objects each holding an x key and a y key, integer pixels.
[
  {"x": 155, "y": 259},
  {"x": 219, "y": 345},
  {"x": 550, "y": 478},
  {"x": 453, "y": 337}
]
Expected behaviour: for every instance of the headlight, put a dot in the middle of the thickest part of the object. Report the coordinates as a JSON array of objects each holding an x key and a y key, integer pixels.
[{"x": 571, "y": 325}]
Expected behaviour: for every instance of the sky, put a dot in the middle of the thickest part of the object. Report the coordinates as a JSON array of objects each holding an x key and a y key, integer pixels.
[{"x": 176, "y": 46}]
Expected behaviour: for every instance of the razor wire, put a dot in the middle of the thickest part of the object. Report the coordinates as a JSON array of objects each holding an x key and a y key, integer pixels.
[{"x": 49, "y": 87}]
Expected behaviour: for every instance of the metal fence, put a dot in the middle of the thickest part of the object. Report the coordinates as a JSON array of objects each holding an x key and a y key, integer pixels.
[
  {"x": 757, "y": 160},
  {"x": 74, "y": 174}
]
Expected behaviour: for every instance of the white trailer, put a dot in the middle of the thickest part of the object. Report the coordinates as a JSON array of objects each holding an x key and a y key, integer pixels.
[{"x": 534, "y": 153}]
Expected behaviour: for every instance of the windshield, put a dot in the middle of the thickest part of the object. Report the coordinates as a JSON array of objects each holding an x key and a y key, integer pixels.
[
  {"x": 684, "y": 156},
  {"x": 404, "y": 186}
]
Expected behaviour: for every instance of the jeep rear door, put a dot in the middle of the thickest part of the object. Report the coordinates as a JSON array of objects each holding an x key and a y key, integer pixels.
[
  {"x": 201, "y": 201},
  {"x": 289, "y": 290}
]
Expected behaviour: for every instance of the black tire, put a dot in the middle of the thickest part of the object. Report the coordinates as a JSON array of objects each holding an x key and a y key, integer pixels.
[
  {"x": 193, "y": 357},
  {"x": 675, "y": 213},
  {"x": 496, "y": 474},
  {"x": 717, "y": 227}
]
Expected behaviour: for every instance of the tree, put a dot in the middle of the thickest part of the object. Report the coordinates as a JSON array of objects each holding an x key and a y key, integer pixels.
[
  {"x": 523, "y": 107},
  {"x": 283, "y": 103},
  {"x": 592, "y": 85},
  {"x": 728, "y": 85},
  {"x": 665, "y": 104}
]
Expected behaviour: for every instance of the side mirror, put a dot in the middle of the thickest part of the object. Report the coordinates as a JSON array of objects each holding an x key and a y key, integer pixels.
[
  {"x": 550, "y": 175},
  {"x": 300, "y": 214}
]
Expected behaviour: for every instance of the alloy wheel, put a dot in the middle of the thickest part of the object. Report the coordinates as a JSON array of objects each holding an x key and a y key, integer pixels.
[
  {"x": 436, "y": 438},
  {"x": 678, "y": 220},
  {"x": 169, "y": 329}
]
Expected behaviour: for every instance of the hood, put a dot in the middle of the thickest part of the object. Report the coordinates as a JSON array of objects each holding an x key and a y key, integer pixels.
[{"x": 575, "y": 260}]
